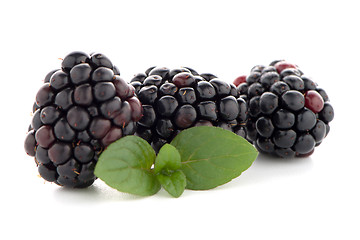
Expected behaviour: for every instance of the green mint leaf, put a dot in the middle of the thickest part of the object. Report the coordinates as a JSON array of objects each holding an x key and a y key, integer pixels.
[
  {"x": 168, "y": 158},
  {"x": 173, "y": 183},
  {"x": 167, "y": 165},
  {"x": 212, "y": 156},
  {"x": 126, "y": 166}
]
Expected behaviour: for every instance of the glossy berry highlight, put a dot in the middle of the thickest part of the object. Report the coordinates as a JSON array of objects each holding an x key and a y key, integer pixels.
[{"x": 314, "y": 101}]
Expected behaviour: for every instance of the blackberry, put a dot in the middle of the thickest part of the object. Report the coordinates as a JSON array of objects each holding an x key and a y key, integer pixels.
[
  {"x": 81, "y": 109},
  {"x": 181, "y": 98},
  {"x": 289, "y": 114}
]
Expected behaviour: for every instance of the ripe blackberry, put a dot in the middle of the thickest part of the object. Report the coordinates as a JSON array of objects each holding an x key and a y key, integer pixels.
[
  {"x": 289, "y": 114},
  {"x": 79, "y": 111},
  {"x": 181, "y": 98}
]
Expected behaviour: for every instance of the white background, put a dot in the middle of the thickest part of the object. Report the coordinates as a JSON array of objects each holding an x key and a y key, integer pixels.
[{"x": 311, "y": 198}]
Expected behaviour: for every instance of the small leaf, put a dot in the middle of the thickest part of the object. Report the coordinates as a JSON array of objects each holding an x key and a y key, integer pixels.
[
  {"x": 167, "y": 158},
  {"x": 167, "y": 165},
  {"x": 212, "y": 156},
  {"x": 126, "y": 166},
  {"x": 174, "y": 183}
]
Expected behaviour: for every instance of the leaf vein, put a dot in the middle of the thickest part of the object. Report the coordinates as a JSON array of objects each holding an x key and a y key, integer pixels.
[{"x": 197, "y": 172}]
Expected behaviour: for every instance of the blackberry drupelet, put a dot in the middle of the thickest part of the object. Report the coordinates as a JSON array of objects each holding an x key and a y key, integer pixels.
[
  {"x": 176, "y": 99},
  {"x": 289, "y": 114},
  {"x": 81, "y": 109}
]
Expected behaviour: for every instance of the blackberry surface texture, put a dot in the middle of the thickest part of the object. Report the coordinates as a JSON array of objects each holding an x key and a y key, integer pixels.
[
  {"x": 289, "y": 114},
  {"x": 81, "y": 109},
  {"x": 176, "y": 99}
]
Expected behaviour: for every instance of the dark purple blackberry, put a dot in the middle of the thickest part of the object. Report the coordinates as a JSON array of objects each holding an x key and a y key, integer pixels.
[
  {"x": 288, "y": 113},
  {"x": 78, "y": 112},
  {"x": 185, "y": 99}
]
